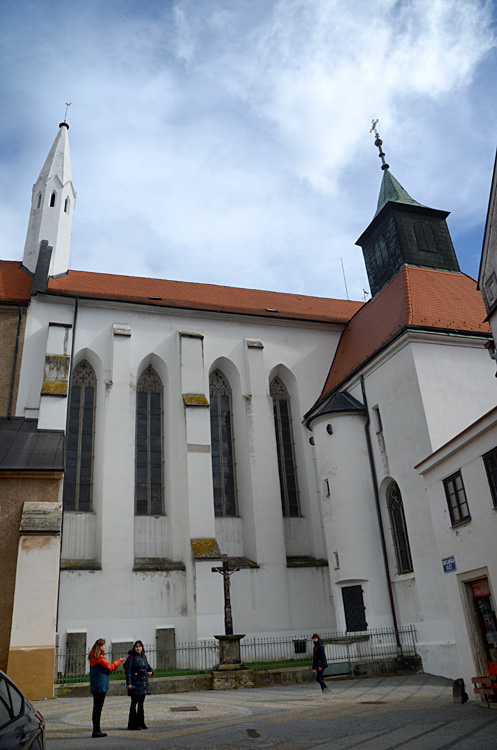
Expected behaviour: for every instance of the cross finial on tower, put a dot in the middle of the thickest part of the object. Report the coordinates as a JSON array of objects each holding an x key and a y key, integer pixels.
[
  {"x": 378, "y": 143},
  {"x": 64, "y": 124}
]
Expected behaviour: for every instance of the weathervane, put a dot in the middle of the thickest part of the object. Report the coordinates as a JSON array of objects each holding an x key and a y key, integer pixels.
[
  {"x": 378, "y": 143},
  {"x": 68, "y": 104}
]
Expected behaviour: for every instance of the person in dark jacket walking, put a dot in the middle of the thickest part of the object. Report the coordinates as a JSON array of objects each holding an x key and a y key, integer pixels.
[
  {"x": 319, "y": 662},
  {"x": 99, "y": 682},
  {"x": 138, "y": 670}
]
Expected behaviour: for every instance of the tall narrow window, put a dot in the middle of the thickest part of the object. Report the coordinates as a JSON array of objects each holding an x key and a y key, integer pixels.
[
  {"x": 222, "y": 445},
  {"x": 456, "y": 499},
  {"x": 399, "y": 529},
  {"x": 285, "y": 448},
  {"x": 52, "y": 200},
  {"x": 490, "y": 461},
  {"x": 39, "y": 201},
  {"x": 78, "y": 478},
  {"x": 149, "y": 445},
  {"x": 424, "y": 237},
  {"x": 66, "y": 206}
]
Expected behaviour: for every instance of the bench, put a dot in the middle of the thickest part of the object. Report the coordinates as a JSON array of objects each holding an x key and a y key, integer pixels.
[{"x": 485, "y": 685}]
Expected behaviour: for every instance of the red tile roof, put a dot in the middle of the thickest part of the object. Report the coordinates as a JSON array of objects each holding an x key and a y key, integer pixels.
[
  {"x": 420, "y": 297},
  {"x": 15, "y": 283},
  {"x": 187, "y": 295}
]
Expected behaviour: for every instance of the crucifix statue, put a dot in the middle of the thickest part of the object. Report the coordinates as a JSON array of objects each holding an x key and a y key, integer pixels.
[{"x": 226, "y": 572}]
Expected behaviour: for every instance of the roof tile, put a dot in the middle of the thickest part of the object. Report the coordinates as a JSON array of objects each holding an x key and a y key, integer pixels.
[
  {"x": 193, "y": 296},
  {"x": 15, "y": 284},
  {"x": 417, "y": 297}
]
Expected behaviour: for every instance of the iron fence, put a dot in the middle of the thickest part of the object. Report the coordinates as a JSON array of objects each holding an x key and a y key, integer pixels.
[{"x": 258, "y": 653}]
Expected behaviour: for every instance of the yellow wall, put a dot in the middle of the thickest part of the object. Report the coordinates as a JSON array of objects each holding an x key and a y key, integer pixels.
[{"x": 32, "y": 669}]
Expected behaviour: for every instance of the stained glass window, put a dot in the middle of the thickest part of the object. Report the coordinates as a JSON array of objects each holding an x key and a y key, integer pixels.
[
  {"x": 78, "y": 477},
  {"x": 287, "y": 467},
  {"x": 149, "y": 479},
  {"x": 399, "y": 529},
  {"x": 222, "y": 445}
]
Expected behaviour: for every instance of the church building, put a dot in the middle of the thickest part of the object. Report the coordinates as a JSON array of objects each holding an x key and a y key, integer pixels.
[{"x": 148, "y": 427}]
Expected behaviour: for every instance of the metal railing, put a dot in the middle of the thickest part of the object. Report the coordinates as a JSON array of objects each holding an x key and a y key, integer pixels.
[{"x": 198, "y": 657}]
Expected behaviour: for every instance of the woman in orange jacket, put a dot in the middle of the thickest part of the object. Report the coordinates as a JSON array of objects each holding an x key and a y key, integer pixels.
[{"x": 99, "y": 682}]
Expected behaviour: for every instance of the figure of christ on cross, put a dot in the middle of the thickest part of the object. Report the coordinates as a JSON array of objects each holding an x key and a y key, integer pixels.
[{"x": 226, "y": 572}]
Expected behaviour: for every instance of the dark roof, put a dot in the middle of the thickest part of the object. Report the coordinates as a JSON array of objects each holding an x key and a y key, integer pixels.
[
  {"x": 23, "y": 447},
  {"x": 339, "y": 402}
]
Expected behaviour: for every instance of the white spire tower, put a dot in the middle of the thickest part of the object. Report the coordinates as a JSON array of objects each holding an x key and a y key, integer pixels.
[{"x": 52, "y": 208}]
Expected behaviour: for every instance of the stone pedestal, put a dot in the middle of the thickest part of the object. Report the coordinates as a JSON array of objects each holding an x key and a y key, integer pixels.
[
  {"x": 236, "y": 678},
  {"x": 229, "y": 652}
]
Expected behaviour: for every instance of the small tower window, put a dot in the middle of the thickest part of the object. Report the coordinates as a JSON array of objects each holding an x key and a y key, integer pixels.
[
  {"x": 424, "y": 237},
  {"x": 66, "y": 206},
  {"x": 381, "y": 251},
  {"x": 52, "y": 200},
  {"x": 39, "y": 201}
]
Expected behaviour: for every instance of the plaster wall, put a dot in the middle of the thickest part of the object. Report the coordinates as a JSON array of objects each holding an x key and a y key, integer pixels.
[
  {"x": 117, "y": 602},
  {"x": 15, "y": 487},
  {"x": 473, "y": 543},
  {"x": 457, "y": 382},
  {"x": 393, "y": 390},
  {"x": 349, "y": 516}
]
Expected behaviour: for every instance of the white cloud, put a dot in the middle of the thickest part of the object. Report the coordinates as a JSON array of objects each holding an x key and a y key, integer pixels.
[{"x": 228, "y": 142}]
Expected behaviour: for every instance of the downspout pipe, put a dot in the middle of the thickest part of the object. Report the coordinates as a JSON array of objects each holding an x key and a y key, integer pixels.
[
  {"x": 69, "y": 386},
  {"x": 14, "y": 365},
  {"x": 380, "y": 520}
]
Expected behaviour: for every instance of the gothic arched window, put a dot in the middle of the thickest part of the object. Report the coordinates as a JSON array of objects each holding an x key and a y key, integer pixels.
[
  {"x": 149, "y": 445},
  {"x": 424, "y": 237},
  {"x": 52, "y": 199},
  {"x": 39, "y": 201},
  {"x": 287, "y": 467},
  {"x": 222, "y": 445},
  {"x": 78, "y": 478},
  {"x": 399, "y": 529},
  {"x": 66, "y": 206}
]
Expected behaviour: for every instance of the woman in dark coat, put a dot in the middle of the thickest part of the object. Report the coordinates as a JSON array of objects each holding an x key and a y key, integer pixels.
[
  {"x": 138, "y": 670},
  {"x": 319, "y": 662}
]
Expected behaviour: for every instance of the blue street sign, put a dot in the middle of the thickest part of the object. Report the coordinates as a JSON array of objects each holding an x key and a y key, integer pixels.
[{"x": 449, "y": 564}]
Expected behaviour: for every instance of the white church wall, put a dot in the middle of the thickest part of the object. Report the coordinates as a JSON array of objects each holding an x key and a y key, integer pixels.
[
  {"x": 457, "y": 382},
  {"x": 392, "y": 385},
  {"x": 119, "y": 341},
  {"x": 349, "y": 515}
]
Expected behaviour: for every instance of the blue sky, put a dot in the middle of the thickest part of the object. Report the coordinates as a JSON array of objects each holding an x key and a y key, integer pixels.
[{"x": 227, "y": 141}]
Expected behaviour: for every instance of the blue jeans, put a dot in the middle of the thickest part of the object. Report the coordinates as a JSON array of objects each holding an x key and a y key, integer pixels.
[{"x": 320, "y": 678}]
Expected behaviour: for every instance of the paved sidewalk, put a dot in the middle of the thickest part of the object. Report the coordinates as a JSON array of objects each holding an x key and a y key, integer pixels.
[{"x": 390, "y": 713}]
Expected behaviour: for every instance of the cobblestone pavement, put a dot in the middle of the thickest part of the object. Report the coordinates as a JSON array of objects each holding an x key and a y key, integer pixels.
[{"x": 374, "y": 714}]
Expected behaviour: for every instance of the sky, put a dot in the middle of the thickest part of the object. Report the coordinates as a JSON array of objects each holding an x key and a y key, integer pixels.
[{"x": 228, "y": 141}]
